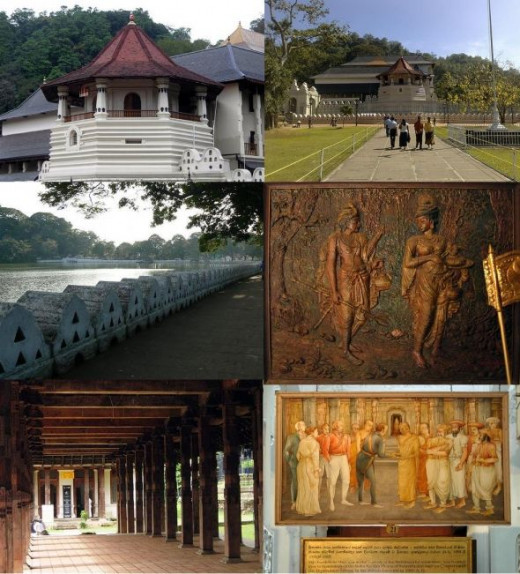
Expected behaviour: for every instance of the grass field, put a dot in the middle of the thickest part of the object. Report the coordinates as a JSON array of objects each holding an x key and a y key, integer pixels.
[
  {"x": 505, "y": 160},
  {"x": 295, "y": 154}
]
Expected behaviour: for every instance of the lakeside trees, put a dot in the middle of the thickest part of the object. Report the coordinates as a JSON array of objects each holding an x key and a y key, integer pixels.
[
  {"x": 25, "y": 239},
  {"x": 225, "y": 211}
]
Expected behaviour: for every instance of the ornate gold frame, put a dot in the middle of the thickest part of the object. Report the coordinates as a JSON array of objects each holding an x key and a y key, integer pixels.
[{"x": 316, "y": 408}]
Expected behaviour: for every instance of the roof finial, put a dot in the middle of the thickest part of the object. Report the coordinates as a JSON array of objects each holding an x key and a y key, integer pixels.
[{"x": 131, "y": 22}]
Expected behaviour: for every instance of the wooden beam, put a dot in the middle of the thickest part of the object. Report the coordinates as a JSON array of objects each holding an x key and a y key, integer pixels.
[
  {"x": 180, "y": 403},
  {"x": 187, "y": 387},
  {"x": 74, "y": 423},
  {"x": 107, "y": 413}
]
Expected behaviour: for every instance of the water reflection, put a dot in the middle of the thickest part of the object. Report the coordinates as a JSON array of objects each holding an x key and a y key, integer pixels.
[{"x": 15, "y": 280}]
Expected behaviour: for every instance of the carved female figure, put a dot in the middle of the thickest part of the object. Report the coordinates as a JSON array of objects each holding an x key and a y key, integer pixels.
[{"x": 424, "y": 270}]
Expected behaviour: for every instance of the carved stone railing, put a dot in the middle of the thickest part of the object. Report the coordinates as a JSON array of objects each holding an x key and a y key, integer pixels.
[{"x": 45, "y": 333}]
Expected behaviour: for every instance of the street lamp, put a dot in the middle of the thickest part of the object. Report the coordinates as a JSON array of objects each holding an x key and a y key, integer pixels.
[{"x": 496, "y": 125}]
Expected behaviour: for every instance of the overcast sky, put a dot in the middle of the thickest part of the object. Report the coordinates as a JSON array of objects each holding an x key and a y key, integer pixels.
[
  {"x": 207, "y": 19},
  {"x": 117, "y": 225},
  {"x": 441, "y": 27}
]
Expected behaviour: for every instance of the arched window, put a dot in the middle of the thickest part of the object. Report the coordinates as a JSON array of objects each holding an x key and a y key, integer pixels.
[
  {"x": 132, "y": 105},
  {"x": 73, "y": 138}
]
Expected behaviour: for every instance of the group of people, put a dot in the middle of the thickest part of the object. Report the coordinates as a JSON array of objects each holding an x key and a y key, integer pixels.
[
  {"x": 441, "y": 469},
  {"x": 421, "y": 129},
  {"x": 445, "y": 468},
  {"x": 324, "y": 455}
]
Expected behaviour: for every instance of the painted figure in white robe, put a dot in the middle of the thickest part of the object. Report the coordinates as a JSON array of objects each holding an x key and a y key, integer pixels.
[
  {"x": 495, "y": 433},
  {"x": 458, "y": 457},
  {"x": 438, "y": 469},
  {"x": 308, "y": 473}
]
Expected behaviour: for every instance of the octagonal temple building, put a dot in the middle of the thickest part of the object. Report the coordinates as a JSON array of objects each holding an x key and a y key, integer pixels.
[{"x": 136, "y": 115}]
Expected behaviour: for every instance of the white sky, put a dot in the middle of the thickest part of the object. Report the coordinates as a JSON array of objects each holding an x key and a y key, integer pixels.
[
  {"x": 206, "y": 18},
  {"x": 117, "y": 225}
]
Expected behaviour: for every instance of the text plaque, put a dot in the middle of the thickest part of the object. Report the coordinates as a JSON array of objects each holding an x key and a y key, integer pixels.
[{"x": 356, "y": 555}]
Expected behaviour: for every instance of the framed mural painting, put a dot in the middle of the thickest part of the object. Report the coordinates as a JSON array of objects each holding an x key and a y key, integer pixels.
[
  {"x": 384, "y": 282},
  {"x": 392, "y": 458}
]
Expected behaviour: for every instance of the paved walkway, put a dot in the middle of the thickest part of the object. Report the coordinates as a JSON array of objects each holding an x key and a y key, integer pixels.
[
  {"x": 219, "y": 337},
  {"x": 375, "y": 161},
  {"x": 128, "y": 553}
]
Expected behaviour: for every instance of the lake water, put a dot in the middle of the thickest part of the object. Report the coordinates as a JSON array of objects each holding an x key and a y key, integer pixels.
[{"x": 15, "y": 280}]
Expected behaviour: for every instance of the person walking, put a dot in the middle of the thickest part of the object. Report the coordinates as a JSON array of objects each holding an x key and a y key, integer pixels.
[
  {"x": 429, "y": 134},
  {"x": 386, "y": 122},
  {"x": 404, "y": 135},
  {"x": 392, "y": 128},
  {"x": 419, "y": 128}
]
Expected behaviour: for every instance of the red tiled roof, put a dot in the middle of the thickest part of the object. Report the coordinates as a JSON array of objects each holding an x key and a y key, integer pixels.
[
  {"x": 130, "y": 54},
  {"x": 402, "y": 67}
]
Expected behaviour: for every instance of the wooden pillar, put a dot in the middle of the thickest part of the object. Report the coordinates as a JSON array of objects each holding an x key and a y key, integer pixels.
[
  {"x": 47, "y": 478},
  {"x": 232, "y": 515},
  {"x": 86, "y": 488},
  {"x": 148, "y": 486},
  {"x": 36, "y": 494},
  {"x": 256, "y": 423},
  {"x": 16, "y": 486},
  {"x": 123, "y": 517},
  {"x": 186, "y": 497},
  {"x": 170, "y": 461},
  {"x": 206, "y": 490},
  {"x": 157, "y": 485},
  {"x": 6, "y": 557},
  {"x": 139, "y": 499},
  {"x": 130, "y": 491},
  {"x": 212, "y": 454},
  {"x": 101, "y": 493},
  {"x": 195, "y": 482}
]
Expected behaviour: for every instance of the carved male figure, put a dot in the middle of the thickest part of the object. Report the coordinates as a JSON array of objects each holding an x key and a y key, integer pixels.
[{"x": 349, "y": 262}]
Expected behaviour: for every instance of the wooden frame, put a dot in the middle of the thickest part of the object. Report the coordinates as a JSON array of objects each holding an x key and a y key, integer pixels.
[
  {"x": 412, "y": 485},
  {"x": 305, "y": 335}
]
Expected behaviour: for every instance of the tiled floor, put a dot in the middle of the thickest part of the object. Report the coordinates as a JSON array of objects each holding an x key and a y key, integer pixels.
[{"x": 128, "y": 553}]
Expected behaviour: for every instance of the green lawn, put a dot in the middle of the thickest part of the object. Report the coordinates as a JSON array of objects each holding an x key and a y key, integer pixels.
[
  {"x": 505, "y": 160},
  {"x": 295, "y": 154}
]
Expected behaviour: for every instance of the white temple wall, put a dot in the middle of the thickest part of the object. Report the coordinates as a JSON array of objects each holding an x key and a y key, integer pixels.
[
  {"x": 32, "y": 124},
  {"x": 229, "y": 115}
]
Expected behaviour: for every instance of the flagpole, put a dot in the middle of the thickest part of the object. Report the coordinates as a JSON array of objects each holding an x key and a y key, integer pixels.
[{"x": 496, "y": 125}]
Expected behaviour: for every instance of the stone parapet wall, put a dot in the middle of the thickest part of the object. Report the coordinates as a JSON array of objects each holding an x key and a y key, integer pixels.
[{"x": 47, "y": 333}]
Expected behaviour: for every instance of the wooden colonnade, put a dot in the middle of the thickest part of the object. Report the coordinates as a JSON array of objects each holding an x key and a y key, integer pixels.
[
  {"x": 141, "y": 429},
  {"x": 147, "y": 481}
]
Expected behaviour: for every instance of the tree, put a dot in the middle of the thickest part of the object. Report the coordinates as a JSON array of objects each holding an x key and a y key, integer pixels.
[
  {"x": 287, "y": 43},
  {"x": 258, "y": 25},
  {"x": 224, "y": 210},
  {"x": 13, "y": 251}
]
